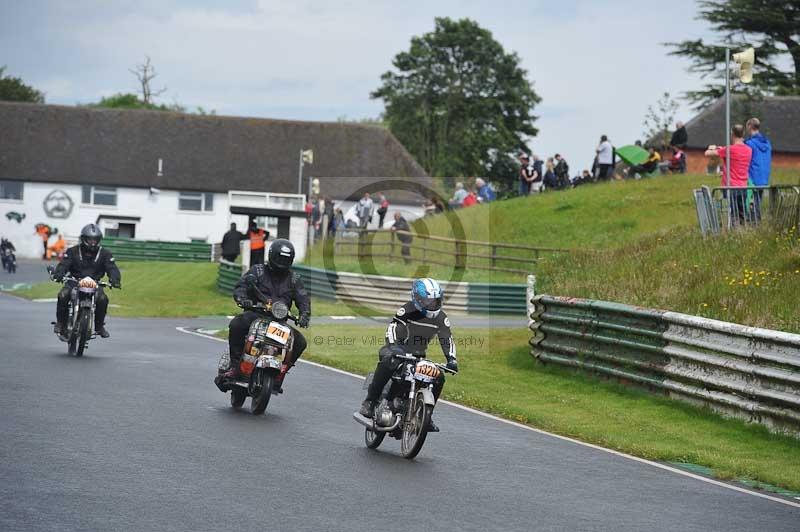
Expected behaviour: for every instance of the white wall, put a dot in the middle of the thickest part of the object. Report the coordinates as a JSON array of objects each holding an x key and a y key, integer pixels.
[{"x": 160, "y": 217}]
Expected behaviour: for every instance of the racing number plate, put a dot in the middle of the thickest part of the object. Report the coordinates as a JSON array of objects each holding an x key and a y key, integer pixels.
[{"x": 279, "y": 333}]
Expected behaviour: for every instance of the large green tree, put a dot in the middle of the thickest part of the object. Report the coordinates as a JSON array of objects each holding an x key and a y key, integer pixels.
[
  {"x": 15, "y": 90},
  {"x": 459, "y": 102},
  {"x": 772, "y": 27}
]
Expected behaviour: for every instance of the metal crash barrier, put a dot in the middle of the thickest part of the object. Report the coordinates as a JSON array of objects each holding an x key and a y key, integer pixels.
[
  {"x": 744, "y": 372},
  {"x": 721, "y": 209}
]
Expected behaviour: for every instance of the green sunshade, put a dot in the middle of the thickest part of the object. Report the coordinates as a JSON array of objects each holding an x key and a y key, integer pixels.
[{"x": 632, "y": 154}]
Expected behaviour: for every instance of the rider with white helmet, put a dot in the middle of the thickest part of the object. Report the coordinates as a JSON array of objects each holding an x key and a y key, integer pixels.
[{"x": 413, "y": 327}]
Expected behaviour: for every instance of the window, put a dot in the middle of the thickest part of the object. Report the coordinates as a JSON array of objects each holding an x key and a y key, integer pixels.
[
  {"x": 196, "y": 201},
  {"x": 91, "y": 195},
  {"x": 11, "y": 190}
]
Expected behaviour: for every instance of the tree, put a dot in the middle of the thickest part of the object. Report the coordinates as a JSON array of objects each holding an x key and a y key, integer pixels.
[
  {"x": 772, "y": 27},
  {"x": 659, "y": 120},
  {"x": 15, "y": 90},
  {"x": 128, "y": 100},
  {"x": 145, "y": 73},
  {"x": 458, "y": 101}
]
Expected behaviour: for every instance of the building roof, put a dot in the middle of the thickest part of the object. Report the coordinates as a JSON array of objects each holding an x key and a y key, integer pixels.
[
  {"x": 779, "y": 116},
  {"x": 60, "y": 144}
]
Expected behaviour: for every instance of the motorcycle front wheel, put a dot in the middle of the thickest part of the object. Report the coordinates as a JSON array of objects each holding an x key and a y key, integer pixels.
[
  {"x": 82, "y": 335},
  {"x": 260, "y": 401},
  {"x": 373, "y": 439},
  {"x": 415, "y": 429},
  {"x": 238, "y": 396}
]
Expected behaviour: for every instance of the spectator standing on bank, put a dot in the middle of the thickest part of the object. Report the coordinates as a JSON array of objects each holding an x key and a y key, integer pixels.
[
  {"x": 538, "y": 181},
  {"x": 550, "y": 179},
  {"x": 605, "y": 158},
  {"x": 383, "y": 208},
  {"x": 486, "y": 193},
  {"x": 760, "y": 163},
  {"x": 329, "y": 213},
  {"x": 525, "y": 174},
  {"x": 258, "y": 237},
  {"x": 400, "y": 224},
  {"x": 364, "y": 211},
  {"x": 562, "y": 172},
  {"x": 230, "y": 243},
  {"x": 679, "y": 137},
  {"x": 458, "y": 196},
  {"x": 740, "y": 156}
]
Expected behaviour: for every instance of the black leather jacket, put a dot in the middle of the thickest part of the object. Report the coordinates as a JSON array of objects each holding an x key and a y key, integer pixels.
[
  {"x": 285, "y": 286},
  {"x": 76, "y": 263}
]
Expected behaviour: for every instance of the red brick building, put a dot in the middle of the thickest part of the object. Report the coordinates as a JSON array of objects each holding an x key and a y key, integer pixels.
[{"x": 780, "y": 122}]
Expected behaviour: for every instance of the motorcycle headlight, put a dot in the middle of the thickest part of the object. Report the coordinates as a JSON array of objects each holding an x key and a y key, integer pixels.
[{"x": 279, "y": 310}]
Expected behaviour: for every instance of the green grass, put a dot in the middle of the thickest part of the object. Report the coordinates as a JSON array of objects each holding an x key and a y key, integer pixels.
[
  {"x": 501, "y": 377},
  {"x": 167, "y": 289}
]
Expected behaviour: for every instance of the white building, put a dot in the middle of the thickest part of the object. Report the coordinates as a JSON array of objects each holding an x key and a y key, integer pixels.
[{"x": 155, "y": 175}]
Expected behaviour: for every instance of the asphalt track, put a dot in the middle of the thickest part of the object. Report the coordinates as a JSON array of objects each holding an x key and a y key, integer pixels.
[{"x": 135, "y": 437}]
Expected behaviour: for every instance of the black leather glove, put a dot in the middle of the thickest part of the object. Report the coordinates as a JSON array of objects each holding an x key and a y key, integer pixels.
[
  {"x": 58, "y": 278},
  {"x": 116, "y": 284},
  {"x": 245, "y": 303},
  {"x": 452, "y": 365},
  {"x": 305, "y": 319}
]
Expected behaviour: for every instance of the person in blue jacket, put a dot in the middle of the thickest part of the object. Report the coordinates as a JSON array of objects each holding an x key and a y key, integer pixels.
[
  {"x": 486, "y": 193},
  {"x": 760, "y": 163}
]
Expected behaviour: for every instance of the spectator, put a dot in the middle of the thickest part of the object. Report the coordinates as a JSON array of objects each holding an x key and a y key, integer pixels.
[
  {"x": 538, "y": 181},
  {"x": 526, "y": 174},
  {"x": 647, "y": 167},
  {"x": 400, "y": 224},
  {"x": 605, "y": 158},
  {"x": 58, "y": 248},
  {"x": 550, "y": 180},
  {"x": 584, "y": 178},
  {"x": 429, "y": 209},
  {"x": 760, "y": 163},
  {"x": 338, "y": 221},
  {"x": 562, "y": 172},
  {"x": 44, "y": 232},
  {"x": 438, "y": 205},
  {"x": 383, "y": 207},
  {"x": 676, "y": 163},
  {"x": 486, "y": 193},
  {"x": 329, "y": 214},
  {"x": 316, "y": 216},
  {"x": 230, "y": 243},
  {"x": 679, "y": 137},
  {"x": 470, "y": 200},
  {"x": 458, "y": 196},
  {"x": 364, "y": 211},
  {"x": 740, "y": 157},
  {"x": 257, "y": 238}
]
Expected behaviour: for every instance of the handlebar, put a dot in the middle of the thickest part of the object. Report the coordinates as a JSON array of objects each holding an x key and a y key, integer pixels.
[
  {"x": 261, "y": 307},
  {"x": 412, "y": 358},
  {"x": 69, "y": 278}
]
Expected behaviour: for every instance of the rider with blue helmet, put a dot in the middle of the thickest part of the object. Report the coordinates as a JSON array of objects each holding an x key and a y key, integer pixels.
[{"x": 413, "y": 327}]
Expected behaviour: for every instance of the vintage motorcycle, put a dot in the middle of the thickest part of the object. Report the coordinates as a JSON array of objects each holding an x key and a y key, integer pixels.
[
  {"x": 9, "y": 260},
  {"x": 405, "y": 407},
  {"x": 267, "y": 343},
  {"x": 80, "y": 324}
]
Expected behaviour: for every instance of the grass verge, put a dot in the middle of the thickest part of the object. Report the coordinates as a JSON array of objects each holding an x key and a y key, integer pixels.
[
  {"x": 169, "y": 289},
  {"x": 498, "y": 375}
]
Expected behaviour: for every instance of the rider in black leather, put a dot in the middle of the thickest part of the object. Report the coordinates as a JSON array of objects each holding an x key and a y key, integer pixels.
[
  {"x": 278, "y": 282},
  {"x": 87, "y": 259},
  {"x": 415, "y": 325}
]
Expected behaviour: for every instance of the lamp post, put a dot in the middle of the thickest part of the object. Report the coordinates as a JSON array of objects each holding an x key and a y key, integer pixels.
[
  {"x": 727, "y": 116},
  {"x": 306, "y": 156}
]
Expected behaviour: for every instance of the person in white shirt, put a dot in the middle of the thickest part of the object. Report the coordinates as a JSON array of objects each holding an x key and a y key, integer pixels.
[
  {"x": 364, "y": 211},
  {"x": 605, "y": 158}
]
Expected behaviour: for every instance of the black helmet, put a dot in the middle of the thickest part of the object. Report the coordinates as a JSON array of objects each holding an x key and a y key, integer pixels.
[
  {"x": 91, "y": 235},
  {"x": 281, "y": 254}
]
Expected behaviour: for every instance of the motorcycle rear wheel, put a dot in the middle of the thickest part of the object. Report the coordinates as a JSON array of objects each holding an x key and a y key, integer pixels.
[
  {"x": 238, "y": 396},
  {"x": 82, "y": 335},
  {"x": 373, "y": 439},
  {"x": 260, "y": 401},
  {"x": 416, "y": 430}
]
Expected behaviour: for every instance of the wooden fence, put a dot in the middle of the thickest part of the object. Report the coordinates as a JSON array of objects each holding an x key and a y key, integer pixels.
[{"x": 429, "y": 249}]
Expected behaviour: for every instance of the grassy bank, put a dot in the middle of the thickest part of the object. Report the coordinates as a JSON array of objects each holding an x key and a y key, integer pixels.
[
  {"x": 498, "y": 375},
  {"x": 167, "y": 289}
]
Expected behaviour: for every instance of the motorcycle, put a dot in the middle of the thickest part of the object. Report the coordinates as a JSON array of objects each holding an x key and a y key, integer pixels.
[
  {"x": 268, "y": 341},
  {"x": 80, "y": 323},
  {"x": 9, "y": 261},
  {"x": 405, "y": 407}
]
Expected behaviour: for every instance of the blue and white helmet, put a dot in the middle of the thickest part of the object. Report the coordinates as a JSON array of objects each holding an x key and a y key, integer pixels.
[{"x": 426, "y": 294}]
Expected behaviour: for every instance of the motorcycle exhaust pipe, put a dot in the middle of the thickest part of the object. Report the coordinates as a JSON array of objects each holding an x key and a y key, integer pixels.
[{"x": 376, "y": 428}]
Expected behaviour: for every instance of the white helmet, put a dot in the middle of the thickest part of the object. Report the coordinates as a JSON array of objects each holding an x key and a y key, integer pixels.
[{"x": 426, "y": 294}]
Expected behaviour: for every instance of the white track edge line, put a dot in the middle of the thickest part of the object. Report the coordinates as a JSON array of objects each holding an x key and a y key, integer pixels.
[{"x": 557, "y": 436}]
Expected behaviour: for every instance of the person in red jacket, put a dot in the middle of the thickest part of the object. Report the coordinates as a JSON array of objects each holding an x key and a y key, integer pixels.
[{"x": 740, "y": 156}]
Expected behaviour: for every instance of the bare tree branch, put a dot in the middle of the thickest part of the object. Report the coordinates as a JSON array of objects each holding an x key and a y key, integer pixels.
[{"x": 145, "y": 73}]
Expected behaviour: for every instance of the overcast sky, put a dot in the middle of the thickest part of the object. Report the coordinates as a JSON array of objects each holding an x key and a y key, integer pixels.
[{"x": 596, "y": 64}]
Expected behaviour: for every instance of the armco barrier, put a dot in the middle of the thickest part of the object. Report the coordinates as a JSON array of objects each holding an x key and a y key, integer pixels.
[
  {"x": 229, "y": 274},
  {"x": 388, "y": 292},
  {"x": 745, "y": 372},
  {"x": 154, "y": 250}
]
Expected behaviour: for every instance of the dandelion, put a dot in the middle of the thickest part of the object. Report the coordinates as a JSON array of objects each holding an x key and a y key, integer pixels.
[{"x": 705, "y": 305}]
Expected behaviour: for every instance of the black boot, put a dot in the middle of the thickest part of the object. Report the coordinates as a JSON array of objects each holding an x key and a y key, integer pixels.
[
  {"x": 102, "y": 331},
  {"x": 367, "y": 408},
  {"x": 233, "y": 371}
]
